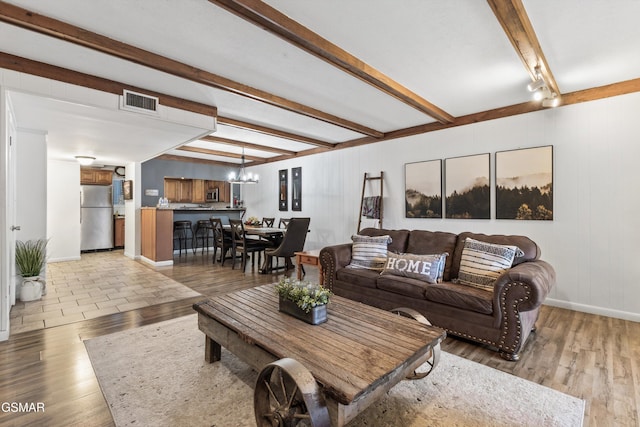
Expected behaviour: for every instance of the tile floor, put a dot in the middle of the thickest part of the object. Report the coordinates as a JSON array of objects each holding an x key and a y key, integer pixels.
[{"x": 99, "y": 284}]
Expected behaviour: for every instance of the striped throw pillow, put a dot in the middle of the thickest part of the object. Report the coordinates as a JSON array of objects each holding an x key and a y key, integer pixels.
[
  {"x": 369, "y": 252},
  {"x": 482, "y": 263}
]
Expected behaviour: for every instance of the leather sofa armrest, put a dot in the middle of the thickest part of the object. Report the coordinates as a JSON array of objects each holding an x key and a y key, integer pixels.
[
  {"x": 526, "y": 285},
  {"x": 333, "y": 258}
]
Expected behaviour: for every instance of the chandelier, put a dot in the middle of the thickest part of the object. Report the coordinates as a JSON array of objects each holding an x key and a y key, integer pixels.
[{"x": 242, "y": 177}]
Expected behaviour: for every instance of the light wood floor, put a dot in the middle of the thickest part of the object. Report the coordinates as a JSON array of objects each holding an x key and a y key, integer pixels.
[{"x": 591, "y": 357}]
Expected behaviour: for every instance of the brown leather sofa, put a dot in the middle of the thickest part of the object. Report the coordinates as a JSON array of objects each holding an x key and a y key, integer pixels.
[{"x": 502, "y": 319}]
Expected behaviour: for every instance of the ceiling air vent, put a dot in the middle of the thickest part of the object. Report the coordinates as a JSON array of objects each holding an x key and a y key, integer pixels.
[{"x": 138, "y": 102}]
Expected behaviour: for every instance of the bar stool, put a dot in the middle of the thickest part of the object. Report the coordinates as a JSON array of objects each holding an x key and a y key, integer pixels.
[
  {"x": 204, "y": 232},
  {"x": 182, "y": 232}
]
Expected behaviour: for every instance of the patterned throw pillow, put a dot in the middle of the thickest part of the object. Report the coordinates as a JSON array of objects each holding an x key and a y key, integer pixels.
[
  {"x": 369, "y": 252},
  {"x": 482, "y": 263},
  {"x": 427, "y": 268}
]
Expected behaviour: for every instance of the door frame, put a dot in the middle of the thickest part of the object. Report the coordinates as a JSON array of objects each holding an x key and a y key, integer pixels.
[{"x": 8, "y": 134}]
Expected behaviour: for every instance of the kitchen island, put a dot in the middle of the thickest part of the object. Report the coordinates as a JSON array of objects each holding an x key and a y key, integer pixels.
[{"x": 157, "y": 228}]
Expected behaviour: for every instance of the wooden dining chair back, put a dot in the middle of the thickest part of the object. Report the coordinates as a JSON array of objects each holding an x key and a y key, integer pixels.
[
  {"x": 268, "y": 222},
  {"x": 293, "y": 241},
  {"x": 284, "y": 222},
  {"x": 244, "y": 245},
  {"x": 221, "y": 240}
]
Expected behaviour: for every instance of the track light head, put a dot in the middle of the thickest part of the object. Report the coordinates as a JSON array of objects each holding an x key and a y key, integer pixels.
[{"x": 537, "y": 84}]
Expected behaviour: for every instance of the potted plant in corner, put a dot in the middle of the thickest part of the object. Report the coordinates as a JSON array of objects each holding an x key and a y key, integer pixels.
[
  {"x": 31, "y": 257},
  {"x": 303, "y": 300}
]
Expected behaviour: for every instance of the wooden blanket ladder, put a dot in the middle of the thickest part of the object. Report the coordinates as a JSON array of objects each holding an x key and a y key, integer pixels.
[{"x": 378, "y": 211}]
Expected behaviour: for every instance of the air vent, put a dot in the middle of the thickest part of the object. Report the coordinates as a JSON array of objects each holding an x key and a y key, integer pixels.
[{"x": 139, "y": 102}]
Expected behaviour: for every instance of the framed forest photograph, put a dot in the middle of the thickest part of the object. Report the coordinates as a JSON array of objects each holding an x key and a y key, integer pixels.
[
  {"x": 423, "y": 189},
  {"x": 467, "y": 187},
  {"x": 524, "y": 184}
]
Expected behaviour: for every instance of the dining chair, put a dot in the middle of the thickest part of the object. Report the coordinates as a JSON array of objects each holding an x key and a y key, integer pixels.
[
  {"x": 268, "y": 222},
  {"x": 244, "y": 245},
  {"x": 221, "y": 239},
  {"x": 293, "y": 241},
  {"x": 283, "y": 222}
]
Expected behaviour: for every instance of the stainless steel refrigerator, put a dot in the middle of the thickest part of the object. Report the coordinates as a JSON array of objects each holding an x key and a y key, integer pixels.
[{"x": 96, "y": 217}]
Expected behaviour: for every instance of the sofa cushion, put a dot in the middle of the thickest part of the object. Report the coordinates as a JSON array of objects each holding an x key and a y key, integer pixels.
[
  {"x": 433, "y": 242},
  {"x": 359, "y": 276},
  {"x": 464, "y": 297},
  {"x": 406, "y": 286},
  {"x": 422, "y": 267},
  {"x": 398, "y": 238},
  {"x": 526, "y": 245},
  {"x": 481, "y": 263},
  {"x": 369, "y": 252}
]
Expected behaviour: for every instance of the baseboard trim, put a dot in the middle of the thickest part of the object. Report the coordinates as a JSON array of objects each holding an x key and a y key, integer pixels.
[
  {"x": 156, "y": 263},
  {"x": 618, "y": 314}
]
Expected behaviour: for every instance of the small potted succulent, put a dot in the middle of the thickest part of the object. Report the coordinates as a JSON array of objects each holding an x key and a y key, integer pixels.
[
  {"x": 304, "y": 300},
  {"x": 31, "y": 257}
]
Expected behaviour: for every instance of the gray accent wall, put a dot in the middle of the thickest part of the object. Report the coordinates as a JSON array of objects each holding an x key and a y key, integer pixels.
[{"x": 154, "y": 171}]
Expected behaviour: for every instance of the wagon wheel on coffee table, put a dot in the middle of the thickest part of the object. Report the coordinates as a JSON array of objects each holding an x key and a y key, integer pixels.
[
  {"x": 435, "y": 351},
  {"x": 287, "y": 394}
]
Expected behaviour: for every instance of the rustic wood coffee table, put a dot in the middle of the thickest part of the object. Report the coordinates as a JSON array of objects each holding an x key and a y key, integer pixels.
[{"x": 316, "y": 375}]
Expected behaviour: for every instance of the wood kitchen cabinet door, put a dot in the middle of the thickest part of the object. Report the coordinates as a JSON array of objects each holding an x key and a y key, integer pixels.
[
  {"x": 95, "y": 176},
  {"x": 118, "y": 233},
  {"x": 172, "y": 190},
  {"x": 198, "y": 193}
]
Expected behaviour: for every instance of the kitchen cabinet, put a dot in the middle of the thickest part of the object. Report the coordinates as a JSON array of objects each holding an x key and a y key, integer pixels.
[
  {"x": 198, "y": 193},
  {"x": 118, "y": 232},
  {"x": 156, "y": 237},
  {"x": 95, "y": 176},
  {"x": 178, "y": 190}
]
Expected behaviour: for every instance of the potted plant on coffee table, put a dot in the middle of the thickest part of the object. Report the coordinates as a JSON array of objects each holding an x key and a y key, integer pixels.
[
  {"x": 304, "y": 300},
  {"x": 31, "y": 257}
]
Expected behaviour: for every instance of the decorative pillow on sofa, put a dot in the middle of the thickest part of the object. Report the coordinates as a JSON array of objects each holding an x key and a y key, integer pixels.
[
  {"x": 369, "y": 252},
  {"x": 482, "y": 263},
  {"x": 428, "y": 268}
]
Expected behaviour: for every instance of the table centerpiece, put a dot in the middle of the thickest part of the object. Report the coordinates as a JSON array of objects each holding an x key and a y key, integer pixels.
[{"x": 303, "y": 300}]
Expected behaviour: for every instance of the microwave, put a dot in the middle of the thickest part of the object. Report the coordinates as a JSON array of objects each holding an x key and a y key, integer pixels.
[{"x": 212, "y": 195}]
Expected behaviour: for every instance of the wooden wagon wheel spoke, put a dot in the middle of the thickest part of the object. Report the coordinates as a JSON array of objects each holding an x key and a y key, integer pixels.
[
  {"x": 287, "y": 395},
  {"x": 434, "y": 358}
]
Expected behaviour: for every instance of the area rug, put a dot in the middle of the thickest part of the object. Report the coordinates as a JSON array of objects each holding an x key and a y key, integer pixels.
[{"x": 156, "y": 375}]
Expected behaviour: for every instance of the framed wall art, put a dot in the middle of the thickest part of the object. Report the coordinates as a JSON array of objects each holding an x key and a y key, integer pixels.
[
  {"x": 524, "y": 184},
  {"x": 467, "y": 187},
  {"x": 423, "y": 189},
  {"x": 296, "y": 189},
  {"x": 127, "y": 189},
  {"x": 283, "y": 184}
]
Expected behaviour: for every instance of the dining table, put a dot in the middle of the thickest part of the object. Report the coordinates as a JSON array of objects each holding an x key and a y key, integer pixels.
[{"x": 273, "y": 234}]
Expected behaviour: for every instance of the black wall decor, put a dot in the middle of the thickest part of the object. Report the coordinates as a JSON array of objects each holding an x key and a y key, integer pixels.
[
  {"x": 296, "y": 189},
  {"x": 283, "y": 182}
]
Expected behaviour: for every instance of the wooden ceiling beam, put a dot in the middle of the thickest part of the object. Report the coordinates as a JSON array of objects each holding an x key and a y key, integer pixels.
[
  {"x": 195, "y": 160},
  {"x": 217, "y": 153},
  {"x": 237, "y": 143},
  {"x": 516, "y": 24},
  {"x": 29, "y": 20},
  {"x": 273, "y": 132},
  {"x": 272, "y": 20},
  {"x": 28, "y": 66}
]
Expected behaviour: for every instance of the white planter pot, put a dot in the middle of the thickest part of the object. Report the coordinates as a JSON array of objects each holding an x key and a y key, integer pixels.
[{"x": 31, "y": 289}]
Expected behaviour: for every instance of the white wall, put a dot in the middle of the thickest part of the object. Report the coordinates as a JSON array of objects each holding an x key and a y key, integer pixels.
[
  {"x": 31, "y": 181},
  {"x": 592, "y": 241},
  {"x": 63, "y": 210}
]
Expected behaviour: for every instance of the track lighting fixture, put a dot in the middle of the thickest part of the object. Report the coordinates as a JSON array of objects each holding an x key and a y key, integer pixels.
[{"x": 542, "y": 92}]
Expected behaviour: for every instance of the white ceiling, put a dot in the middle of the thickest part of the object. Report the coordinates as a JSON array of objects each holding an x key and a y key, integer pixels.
[{"x": 454, "y": 54}]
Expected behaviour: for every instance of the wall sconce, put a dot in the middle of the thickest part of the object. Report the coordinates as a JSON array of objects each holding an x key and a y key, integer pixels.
[{"x": 85, "y": 160}]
